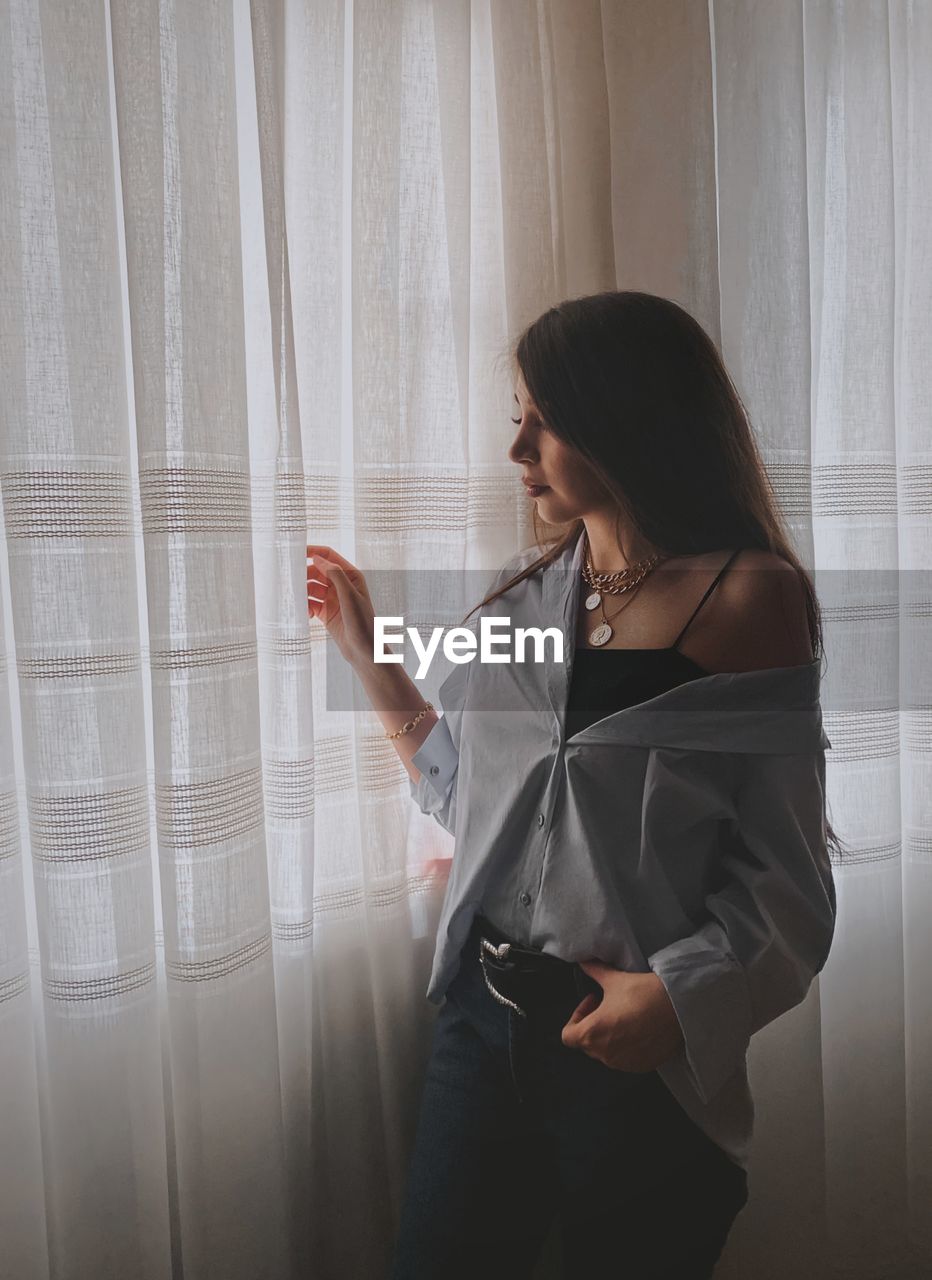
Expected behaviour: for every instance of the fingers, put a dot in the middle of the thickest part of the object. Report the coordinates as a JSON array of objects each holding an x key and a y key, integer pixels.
[
  {"x": 322, "y": 567},
  {"x": 597, "y": 970},
  {"x": 571, "y": 1037},
  {"x": 320, "y": 559},
  {"x": 325, "y": 569},
  {"x": 318, "y": 580},
  {"x": 328, "y": 554},
  {"x": 584, "y": 1008},
  {"x": 334, "y": 567}
]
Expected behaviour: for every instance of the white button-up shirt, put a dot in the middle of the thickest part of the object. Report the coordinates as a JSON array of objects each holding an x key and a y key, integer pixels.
[{"x": 683, "y": 835}]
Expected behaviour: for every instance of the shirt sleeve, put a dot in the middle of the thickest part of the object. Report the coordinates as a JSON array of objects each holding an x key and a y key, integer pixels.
[
  {"x": 438, "y": 760},
  {"x": 438, "y": 756},
  {"x": 770, "y": 924}
]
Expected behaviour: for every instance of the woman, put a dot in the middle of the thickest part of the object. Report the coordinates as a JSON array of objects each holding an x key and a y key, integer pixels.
[{"x": 640, "y": 878}]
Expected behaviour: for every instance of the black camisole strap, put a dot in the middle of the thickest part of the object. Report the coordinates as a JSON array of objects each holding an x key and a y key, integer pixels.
[{"x": 709, "y": 591}]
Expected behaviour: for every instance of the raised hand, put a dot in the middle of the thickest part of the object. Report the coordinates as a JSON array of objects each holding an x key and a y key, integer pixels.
[{"x": 337, "y": 594}]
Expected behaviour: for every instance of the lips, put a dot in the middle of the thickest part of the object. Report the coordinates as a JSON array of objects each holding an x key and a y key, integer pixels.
[{"x": 534, "y": 489}]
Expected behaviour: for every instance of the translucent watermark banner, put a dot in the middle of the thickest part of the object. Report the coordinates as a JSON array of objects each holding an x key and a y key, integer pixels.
[{"x": 877, "y": 631}]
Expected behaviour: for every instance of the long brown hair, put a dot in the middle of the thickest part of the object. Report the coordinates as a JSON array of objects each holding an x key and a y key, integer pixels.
[{"x": 636, "y": 386}]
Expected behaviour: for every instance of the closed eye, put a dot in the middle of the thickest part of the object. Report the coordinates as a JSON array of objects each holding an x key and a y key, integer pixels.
[{"x": 542, "y": 425}]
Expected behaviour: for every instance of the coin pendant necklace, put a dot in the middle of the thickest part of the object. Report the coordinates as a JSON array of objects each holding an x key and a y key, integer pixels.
[
  {"x": 611, "y": 584},
  {"x": 603, "y": 632},
  {"x": 601, "y": 635}
]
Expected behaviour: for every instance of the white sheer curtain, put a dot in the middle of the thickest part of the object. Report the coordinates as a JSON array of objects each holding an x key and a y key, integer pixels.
[{"x": 255, "y": 271}]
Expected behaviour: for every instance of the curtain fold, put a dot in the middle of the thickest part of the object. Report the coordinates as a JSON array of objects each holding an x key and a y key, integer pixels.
[
  {"x": 79, "y": 803},
  {"x": 176, "y": 110},
  {"x": 258, "y": 266}
]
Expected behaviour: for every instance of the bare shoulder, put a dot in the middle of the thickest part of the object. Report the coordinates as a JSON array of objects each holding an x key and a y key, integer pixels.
[{"x": 760, "y": 618}]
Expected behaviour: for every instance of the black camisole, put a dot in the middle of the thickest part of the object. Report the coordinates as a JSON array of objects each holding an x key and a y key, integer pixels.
[{"x": 607, "y": 680}]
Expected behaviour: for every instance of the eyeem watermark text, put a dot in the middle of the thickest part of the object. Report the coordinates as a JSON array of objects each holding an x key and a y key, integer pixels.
[{"x": 461, "y": 645}]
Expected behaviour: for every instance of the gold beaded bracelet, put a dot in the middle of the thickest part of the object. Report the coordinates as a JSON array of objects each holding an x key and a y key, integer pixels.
[{"x": 428, "y": 706}]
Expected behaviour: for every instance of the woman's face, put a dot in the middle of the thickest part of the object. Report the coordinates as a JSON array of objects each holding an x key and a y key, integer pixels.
[{"x": 572, "y": 490}]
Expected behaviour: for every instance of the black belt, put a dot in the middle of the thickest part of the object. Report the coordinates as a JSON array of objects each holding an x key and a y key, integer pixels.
[
  {"x": 524, "y": 977},
  {"x": 524, "y": 959}
]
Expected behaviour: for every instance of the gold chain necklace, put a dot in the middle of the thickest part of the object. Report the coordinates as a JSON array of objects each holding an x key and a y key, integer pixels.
[{"x": 614, "y": 584}]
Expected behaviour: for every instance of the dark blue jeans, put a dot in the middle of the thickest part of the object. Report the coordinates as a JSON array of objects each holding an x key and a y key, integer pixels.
[{"x": 516, "y": 1129}]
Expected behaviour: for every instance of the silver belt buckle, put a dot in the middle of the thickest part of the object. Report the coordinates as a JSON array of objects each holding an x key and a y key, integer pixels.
[{"x": 500, "y": 952}]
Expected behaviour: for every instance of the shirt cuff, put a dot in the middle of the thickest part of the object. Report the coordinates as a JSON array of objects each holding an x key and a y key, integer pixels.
[
  {"x": 709, "y": 993},
  {"x": 437, "y": 759}
]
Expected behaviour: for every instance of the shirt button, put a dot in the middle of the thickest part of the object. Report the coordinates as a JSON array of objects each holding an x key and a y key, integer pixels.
[
  {"x": 526, "y": 898},
  {"x": 540, "y": 819},
  {"x": 435, "y": 769}
]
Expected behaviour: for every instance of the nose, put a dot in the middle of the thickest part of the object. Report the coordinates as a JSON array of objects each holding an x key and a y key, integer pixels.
[{"x": 520, "y": 450}]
